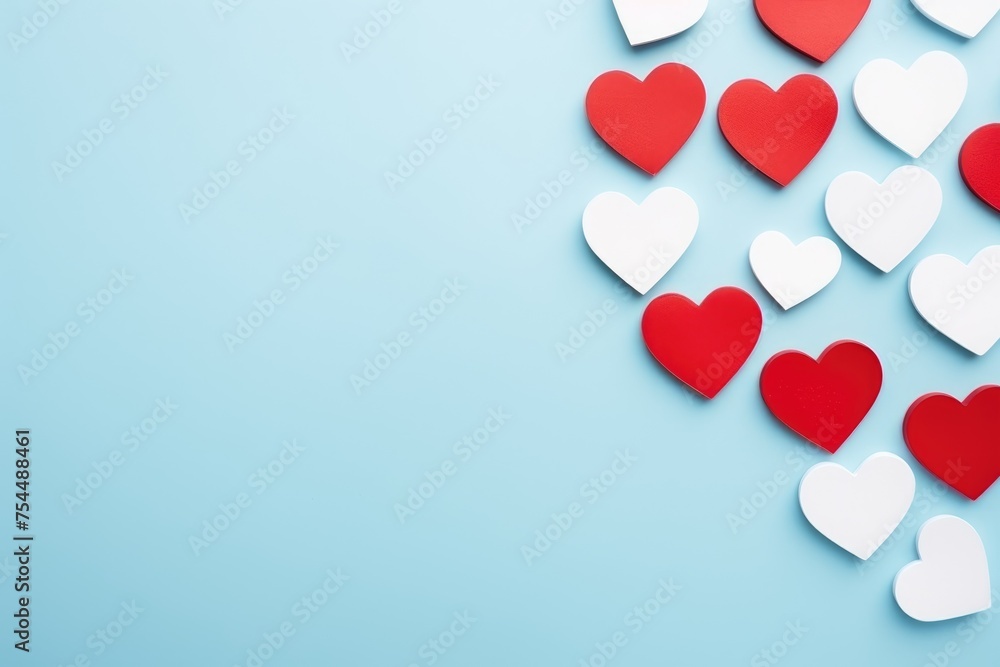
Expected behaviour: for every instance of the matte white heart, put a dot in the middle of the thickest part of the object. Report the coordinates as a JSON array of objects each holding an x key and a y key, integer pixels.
[
  {"x": 964, "y": 17},
  {"x": 884, "y": 222},
  {"x": 858, "y": 511},
  {"x": 640, "y": 243},
  {"x": 911, "y": 107},
  {"x": 647, "y": 21},
  {"x": 793, "y": 273},
  {"x": 952, "y": 577},
  {"x": 962, "y": 301}
]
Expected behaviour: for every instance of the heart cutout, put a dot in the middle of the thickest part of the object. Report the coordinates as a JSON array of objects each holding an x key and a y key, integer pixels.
[
  {"x": 817, "y": 28},
  {"x": 648, "y": 21},
  {"x": 884, "y": 222},
  {"x": 704, "y": 346},
  {"x": 961, "y": 301},
  {"x": 858, "y": 511},
  {"x": 963, "y": 17},
  {"x": 641, "y": 242},
  {"x": 952, "y": 577},
  {"x": 979, "y": 163},
  {"x": 958, "y": 442},
  {"x": 647, "y": 122},
  {"x": 826, "y": 399},
  {"x": 793, "y": 273},
  {"x": 911, "y": 107},
  {"x": 779, "y": 133}
]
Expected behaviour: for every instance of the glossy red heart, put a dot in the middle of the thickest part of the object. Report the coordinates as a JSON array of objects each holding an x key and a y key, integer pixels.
[
  {"x": 703, "y": 346},
  {"x": 816, "y": 28},
  {"x": 647, "y": 122},
  {"x": 979, "y": 163},
  {"x": 823, "y": 400},
  {"x": 958, "y": 442},
  {"x": 780, "y": 132}
]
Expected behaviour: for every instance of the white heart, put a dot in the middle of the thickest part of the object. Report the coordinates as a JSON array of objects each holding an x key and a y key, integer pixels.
[
  {"x": 910, "y": 108},
  {"x": 885, "y": 222},
  {"x": 965, "y": 17},
  {"x": 793, "y": 273},
  {"x": 952, "y": 577},
  {"x": 961, "y": 301},
  {"x": 641, "y": 243},
  {"x": 858, "y": 511},
  {"x": 647, "y": 21}
]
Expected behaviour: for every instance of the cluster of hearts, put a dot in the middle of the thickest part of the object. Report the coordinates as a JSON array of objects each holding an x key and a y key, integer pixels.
[{"x": 825, "y": 399}]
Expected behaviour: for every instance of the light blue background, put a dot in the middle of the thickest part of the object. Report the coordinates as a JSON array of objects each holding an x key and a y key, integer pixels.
[{"x": 665, "y": 518}]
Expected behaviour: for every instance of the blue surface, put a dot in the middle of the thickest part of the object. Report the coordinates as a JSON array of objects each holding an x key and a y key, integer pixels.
[{"x": 494, "y": 347}]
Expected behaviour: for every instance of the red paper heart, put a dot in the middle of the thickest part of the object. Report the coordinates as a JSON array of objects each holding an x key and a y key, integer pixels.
[
  {"x": 816, "y": 28},
  {"x": 647, "y": 122},
  {"x": 979, "y": 162},
  {"x": 958, "y": 442},
  {"x": 779, "y": 133},
  {"x": 823, "y": 400},
  {"x": 703, "y": 346}
]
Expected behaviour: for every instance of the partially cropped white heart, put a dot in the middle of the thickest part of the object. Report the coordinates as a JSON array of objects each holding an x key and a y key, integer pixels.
[
  {"x": 641, "y": 243},
  {"x": 793, "y": 273},
  {"x": 647, "y": 21},
  {"x": 961, "y": 301},
  {"x": 952, "y": 577},
  {"x": 884, "y": 222},
  {"x": 911, "y": 108},
  {"x": 858, "y": 511},
  {"x": 964, "y": 17}
]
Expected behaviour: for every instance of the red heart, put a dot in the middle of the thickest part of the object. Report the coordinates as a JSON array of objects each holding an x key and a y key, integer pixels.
[
  {"x": 958, "y": 442},
  {"x": 823, "y": 400},
  {"x": 979, "y": 162},
  {"x": 816, "y": 28},
  {"x": 779, "y": 133},
  {"x": 647, "y": 122},
  {"x": 703, "y": 346}
]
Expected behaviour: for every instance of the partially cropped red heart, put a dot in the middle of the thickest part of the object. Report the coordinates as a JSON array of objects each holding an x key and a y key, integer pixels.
[
  {"x": 826, "y": 399},
  {"x": 979, "y": 162},
  {"x": 816, "y": 28},
  {"x": 958, "y": 442},
  {"x": 647, "y": 122},
  {"x": 703, "y": 346},
  {"x": 780, "y": 132}
]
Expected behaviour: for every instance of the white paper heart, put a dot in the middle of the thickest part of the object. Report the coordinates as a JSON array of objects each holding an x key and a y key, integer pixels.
[
  {"x": 911, "y": 108},
  {"x": 964, "y": 17},
  {"x": 961, "y": 301},
  {"x": 793, "y": 273},
  {"x": 952, "y": 577},
  {"x": 640, "y": 243},
  {"x": 858, "y": 511},
  {"x": 884, "y": 222},
  {"x": 647, "y": 21}
]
